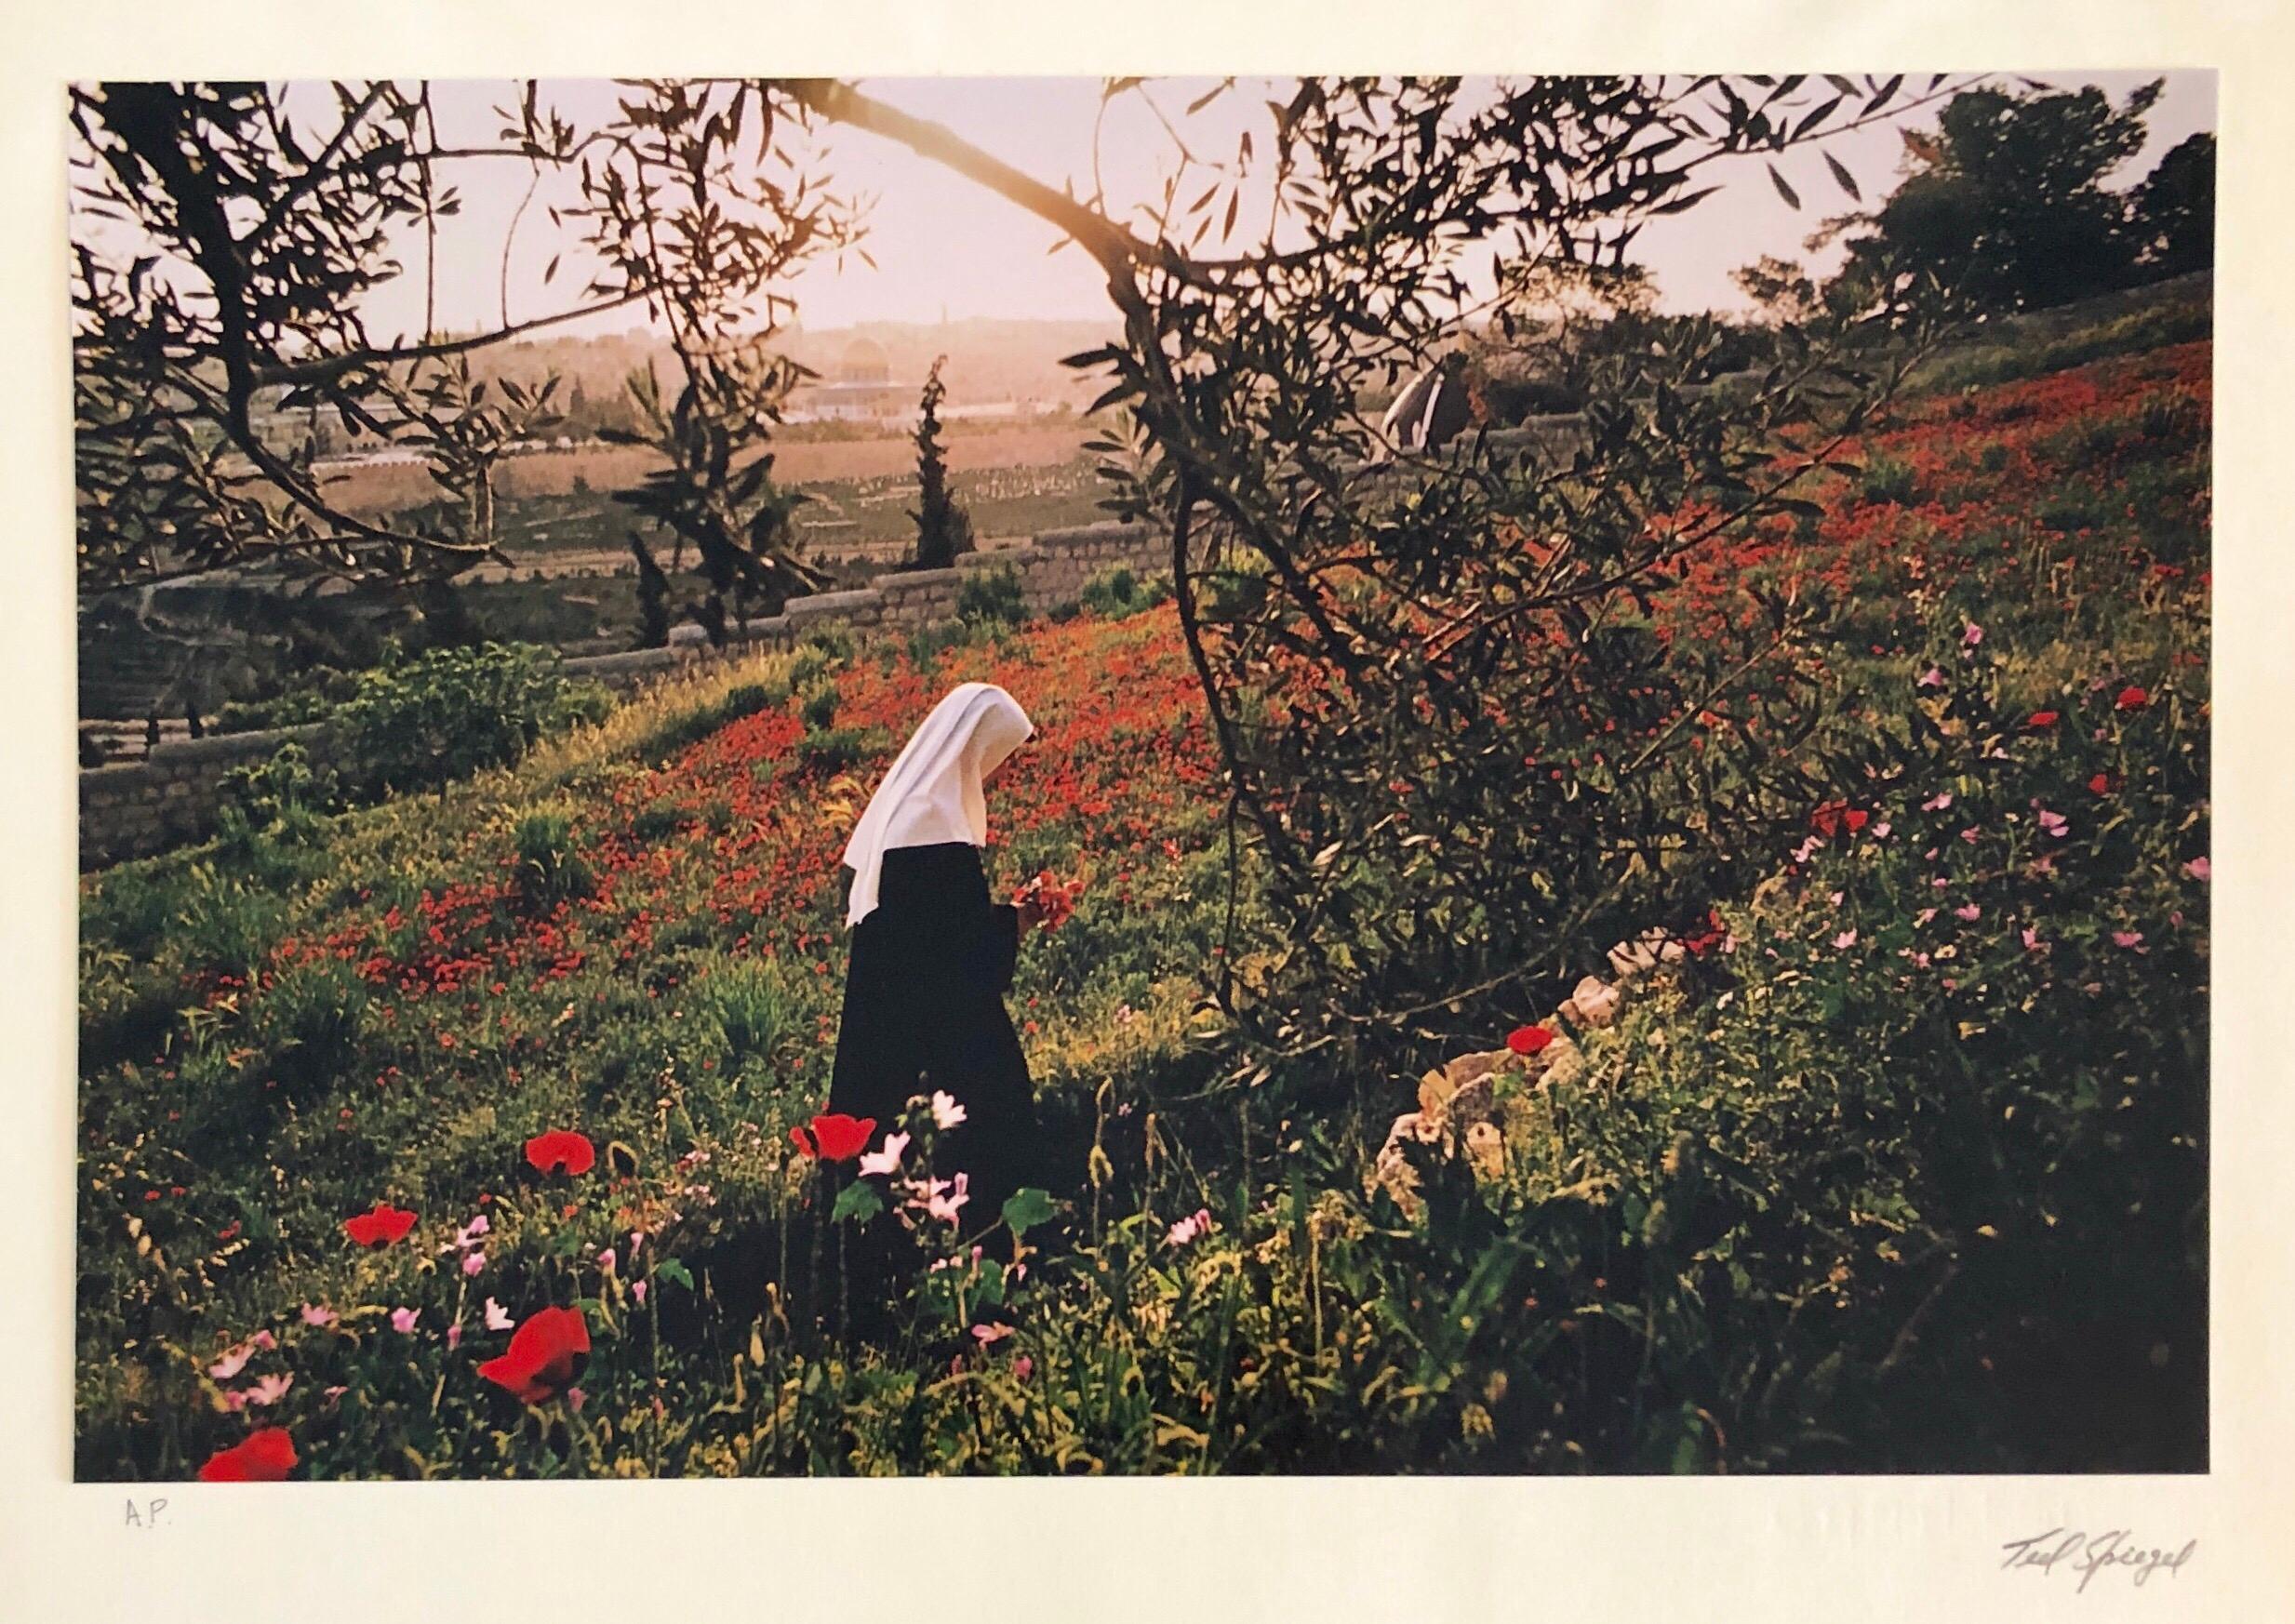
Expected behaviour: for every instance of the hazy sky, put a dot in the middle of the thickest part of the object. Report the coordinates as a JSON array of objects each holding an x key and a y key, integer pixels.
[{"x": 940, "y": 243}]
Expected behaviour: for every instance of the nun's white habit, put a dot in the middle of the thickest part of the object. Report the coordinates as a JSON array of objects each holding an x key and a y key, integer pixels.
[{"x": 932, "y": 955}]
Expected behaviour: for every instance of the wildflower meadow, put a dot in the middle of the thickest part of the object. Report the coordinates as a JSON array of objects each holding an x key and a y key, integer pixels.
[{"x": 479, "y": 1130}]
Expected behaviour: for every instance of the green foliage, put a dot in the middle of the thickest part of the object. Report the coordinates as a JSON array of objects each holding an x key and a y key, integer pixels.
[
  {"x": 992, "y": 597},
  {"x": 452, "y": 712},
  {"x": 550, "y": 866},
  {"x": 1114, "y": 594},
  {"x": 1888, "y": 480},
  {"x": 284, "y": 797},
  {"x": 2010, "y": 208},
  {"x": 818, "y": 709},
  {"x": 943, "y": 529},
  {"x": 829, "y": 751}
]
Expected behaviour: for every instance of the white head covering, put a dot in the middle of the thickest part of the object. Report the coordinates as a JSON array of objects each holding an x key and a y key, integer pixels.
[{"x": 933, "y": 791}]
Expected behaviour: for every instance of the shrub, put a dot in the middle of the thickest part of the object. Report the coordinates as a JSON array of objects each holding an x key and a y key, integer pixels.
[
  {"x": 1114, "y": 594},
  {"x": 992, "y": 597},
  {"x": 750, "y": 1009},
  {"x": 926, "y": 644},
  {"x": 452, "y": 712},
  {"x": 818, "y": 709},
  {"x": 284, "y": 796},
  {"x": 1886, "y": 480},
  {"x": 828, "y": 750},
  {"x": 551, "y": 867},
  {"x": 307, "y": 1022}
]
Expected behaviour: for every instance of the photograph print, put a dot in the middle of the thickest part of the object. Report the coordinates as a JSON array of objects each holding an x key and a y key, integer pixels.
[{"x": 1137, "y": 777}]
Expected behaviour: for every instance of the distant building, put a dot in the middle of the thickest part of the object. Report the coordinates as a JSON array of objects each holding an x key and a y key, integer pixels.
[{"x": 858, "y": 386}]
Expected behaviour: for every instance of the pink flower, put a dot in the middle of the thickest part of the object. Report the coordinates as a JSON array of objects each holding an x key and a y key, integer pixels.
[
  {"x": 270, "y": 1390},
  {"x": 887, "y": 1161},
  {"x": 2198, "y": 870},
  {"x": 991, "y": 1334},
  {"x": 265, "y": 1340},
  {"x": 1023, "y": 1367},
  {"x": 318, "y": 1316},
  {"x": 944, "y": 1204},
  {"x": 233, "y": 1362},
  {"x": 946, "y": 1113},
  {"x": 472, "y": 1262},
  {"x": 2055, "y": 823},
  {"x": 1969, "y": 836},
  {"x": 497, "y": 1317},
  {"x": 454, "y": 1335},
  {"x": 2033, "y": 944},
  {"x": 1879, "y": 831},
  {"x": 1932, "y": 678},
  {"x": 2128, "y": 938},
  {"x": 1848, "y": 938},
  {"x": 1969, "y": 911},
  {"x": 1924, "y": 916},
  {"x": 1938, "y": 801},
  {"x": 606, "y": 1261},
  {"x": 637, "y": 1290},
  {"x": 576, "y": 1398},
  {"x": 1972, "y": 635},
  {"x": 1196, "y": 1223},
  {"x": 402, "y": 1320}
]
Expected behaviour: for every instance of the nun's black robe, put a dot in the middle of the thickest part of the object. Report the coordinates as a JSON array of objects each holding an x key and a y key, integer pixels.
[{"x": 924, "y": 1010}]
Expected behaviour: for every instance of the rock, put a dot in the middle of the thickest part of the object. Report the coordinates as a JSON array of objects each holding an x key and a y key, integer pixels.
[
  {"x": 1472, "y": 1068},
  {"x": 1597, "y": 1001},
  {"x": 1391, "y": 1172}
]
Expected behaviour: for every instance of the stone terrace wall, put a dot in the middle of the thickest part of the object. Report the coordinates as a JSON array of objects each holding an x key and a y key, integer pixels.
[
  {"x": 130, "y": 810},
  {"x": 1051, "y": 569},
  {"x": 133, "y": 808}
]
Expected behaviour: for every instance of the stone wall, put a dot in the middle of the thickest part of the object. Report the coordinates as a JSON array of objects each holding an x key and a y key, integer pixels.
[
  {"x": 131, "y": 809},
  {"x": 1052, "y": 569}
]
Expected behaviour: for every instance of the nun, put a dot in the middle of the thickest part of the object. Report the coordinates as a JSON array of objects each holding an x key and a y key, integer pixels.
[{"x": 932, "y": 955}]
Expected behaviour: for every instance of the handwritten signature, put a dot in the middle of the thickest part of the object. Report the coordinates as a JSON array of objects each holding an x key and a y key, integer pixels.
[{"x": 2088, "y": 1555}]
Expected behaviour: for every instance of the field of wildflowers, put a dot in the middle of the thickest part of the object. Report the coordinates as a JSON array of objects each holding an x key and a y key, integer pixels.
[{"x": 474, "y": 1134}]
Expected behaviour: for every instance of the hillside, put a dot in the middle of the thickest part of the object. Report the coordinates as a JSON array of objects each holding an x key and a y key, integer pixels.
[{"x": 1901, "y": 1170}]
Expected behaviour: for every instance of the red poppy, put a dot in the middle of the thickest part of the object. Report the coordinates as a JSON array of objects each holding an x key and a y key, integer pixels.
[
  {"x": 545, "y": 1355},
  {"x": 2133, "y": 698},
  {"x": 834, "y": 1137},
  {"x": 561, "y": 1150},
  {"x": 1856, "y": 820},
  {"x": 2042, "y": 719},
  {"x": 383, "y": 1225},
  {"x": 264, "y": 1456},
  {"x": 1528, "y": 1039},
  {"x": 2101, "y": 783}
]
